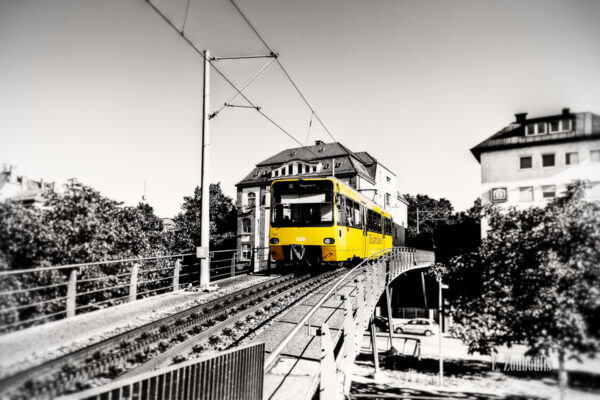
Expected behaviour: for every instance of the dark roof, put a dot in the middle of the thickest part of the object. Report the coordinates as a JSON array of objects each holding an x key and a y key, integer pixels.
[
  {"x": 350, "y": 164},
  {"x": 513, "y": 135},
  {"x": 319, "y": 151}
]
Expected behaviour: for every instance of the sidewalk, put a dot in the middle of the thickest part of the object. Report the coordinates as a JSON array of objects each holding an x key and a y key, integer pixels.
[{"x": 40, "y": 343}]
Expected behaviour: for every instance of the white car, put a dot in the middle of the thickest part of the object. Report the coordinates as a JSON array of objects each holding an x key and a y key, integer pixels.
[{"x": 421, "y": 326}]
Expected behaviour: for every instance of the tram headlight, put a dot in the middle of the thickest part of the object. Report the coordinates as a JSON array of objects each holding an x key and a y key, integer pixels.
[
  {"x": 274, "y": 241},
  {"x": 329, "y": 240}
]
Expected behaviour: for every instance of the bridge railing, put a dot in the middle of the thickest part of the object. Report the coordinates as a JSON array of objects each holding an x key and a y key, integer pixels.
[
  {"x": 40, "y": 295},
  {"x": 378, "y": 271}
]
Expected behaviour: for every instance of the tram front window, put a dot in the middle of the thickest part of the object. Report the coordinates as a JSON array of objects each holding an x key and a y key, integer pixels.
[{"x": 302, "y": 204}]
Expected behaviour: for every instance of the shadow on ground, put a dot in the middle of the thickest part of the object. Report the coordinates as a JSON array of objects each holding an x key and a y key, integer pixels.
[{"x": 468, "y": 369}]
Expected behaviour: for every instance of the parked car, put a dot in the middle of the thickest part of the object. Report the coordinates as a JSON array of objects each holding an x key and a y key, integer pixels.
[{"x": 422, "y": 326}]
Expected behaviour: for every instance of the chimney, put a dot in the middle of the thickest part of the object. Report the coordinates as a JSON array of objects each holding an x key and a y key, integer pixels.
[
  {"x": 319, "y": 142},
  {"x": 521, "y": 117},
  {"x": 566, "y": 111}
]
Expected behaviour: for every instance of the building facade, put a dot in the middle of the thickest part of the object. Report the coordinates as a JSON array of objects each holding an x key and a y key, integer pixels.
[
  {"x": 358, "y": 170},
  {"x": 532, "y": 160},
  {"x": 20, "y": 189}
]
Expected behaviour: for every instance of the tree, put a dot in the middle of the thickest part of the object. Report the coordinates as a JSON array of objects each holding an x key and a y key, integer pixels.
[
  {"x": 534, "y": 280},
  {"x": 432, "y": 213},
  {"x": 459, "y": 234},
  {"x": 223, "y": 221},
  {"x": 76, "y": 226}
]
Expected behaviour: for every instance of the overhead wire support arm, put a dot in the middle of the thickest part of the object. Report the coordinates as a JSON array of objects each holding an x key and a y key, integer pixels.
[
  {"x": 260, "y": 71},
  {"x": 272, "y": 55},
  {"x": 264, "y": 42},
  {"x": 240, "y": 106},
  {"x": 229, "y": 82}
]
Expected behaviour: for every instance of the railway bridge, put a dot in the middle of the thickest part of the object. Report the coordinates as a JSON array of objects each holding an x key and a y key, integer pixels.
[{"x": 308, "y": 352}]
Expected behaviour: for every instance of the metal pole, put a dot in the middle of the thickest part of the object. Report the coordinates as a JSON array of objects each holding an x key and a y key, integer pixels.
[
  {"x": 389, "y": 313},
  {"x": 441, "y": 380},
  {"x": 374, "y": 346},
  {"x": 417, "y": 221},
  {"x": 205, "y": 227}
]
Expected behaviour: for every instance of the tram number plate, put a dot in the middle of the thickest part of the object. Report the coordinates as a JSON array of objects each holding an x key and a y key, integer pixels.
[{"x": 300, "y": 239}]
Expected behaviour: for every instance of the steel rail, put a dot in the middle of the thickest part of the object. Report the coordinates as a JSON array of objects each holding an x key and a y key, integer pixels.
[
  {"x": 179, "y": 349},
  {"x": 277, "y": 352},
  {"x": 46, "y": 368}
]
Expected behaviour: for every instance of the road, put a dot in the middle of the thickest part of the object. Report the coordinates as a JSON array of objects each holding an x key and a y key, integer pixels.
[{"x": 454, "y": 348}]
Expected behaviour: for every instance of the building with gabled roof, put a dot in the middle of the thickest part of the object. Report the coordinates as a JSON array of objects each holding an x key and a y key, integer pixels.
[
  {"x": 360, "y": 171},
  {"x": 532, "y": 160}
]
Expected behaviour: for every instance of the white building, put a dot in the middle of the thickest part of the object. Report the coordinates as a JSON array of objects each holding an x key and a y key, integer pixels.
[
  {"x": 20, "y": 189},
  {"x": 531, "y": 161}
]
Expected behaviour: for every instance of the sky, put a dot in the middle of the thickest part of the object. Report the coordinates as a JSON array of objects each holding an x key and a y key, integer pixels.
[{"x": 107, "y": 92}]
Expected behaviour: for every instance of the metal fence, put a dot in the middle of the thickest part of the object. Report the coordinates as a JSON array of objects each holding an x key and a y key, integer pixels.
[
  {"x": 39, "y": 295},
  {"x": 339, "y": 350},
  {"x": 236, "y": 374}
]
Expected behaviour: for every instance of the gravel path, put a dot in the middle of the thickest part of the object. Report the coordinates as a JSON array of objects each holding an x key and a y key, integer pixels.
[{"x": 32, "y": 346}]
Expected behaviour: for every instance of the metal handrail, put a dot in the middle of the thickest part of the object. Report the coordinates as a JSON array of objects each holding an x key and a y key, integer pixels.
[
  {"x": 275, "y": 353},
  {"x": 79, "y": 265}
]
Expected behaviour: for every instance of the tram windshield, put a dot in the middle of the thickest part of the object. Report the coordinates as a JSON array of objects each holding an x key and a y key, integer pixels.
[{"x": 302, "y": 203}]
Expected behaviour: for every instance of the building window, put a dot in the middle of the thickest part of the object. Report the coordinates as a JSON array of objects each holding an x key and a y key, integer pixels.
[
  {"x": 595, "y": 156},
  {"x": 388, "y": 198},
  {"x": 562, "y": 125},
  {"x": 548, "y": 160},
  {"x": 549, "y": 191},
  {"x": 251, "y": 199},
  {"x": 263, "y": 199},
  {"x": 388, "y": 179},
  {"x": 246, "y": 252},
  {"x": 530, "y": 130},
  {"x": 246, "y": 227},
  {"x": 538, "y": 128},
  {"x": 525, "y": 162},
  {"x": 526, "y": 193},
  {"x": 315, "y": 168},
  {"x": 572, "y": 158}
]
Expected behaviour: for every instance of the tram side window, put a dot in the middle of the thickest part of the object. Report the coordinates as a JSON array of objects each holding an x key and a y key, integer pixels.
[
  {"x": 341, "y": 210},
  {"x": 357, "y": 221},
  {"x": 387, "y": 226},
  {"x": 374, "y": 221},
  {"x": 349, "y": 211}
]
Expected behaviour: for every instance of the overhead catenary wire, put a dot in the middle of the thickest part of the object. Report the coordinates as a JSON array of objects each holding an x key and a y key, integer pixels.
[
  {"x": 185, "y": 16},
  {"x": 312, "y": 114},
  {"x": 229, "y": 82},
  {"x": 239, "y": 10}
]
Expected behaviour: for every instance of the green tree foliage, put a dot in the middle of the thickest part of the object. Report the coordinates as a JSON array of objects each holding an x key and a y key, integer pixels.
[
  {"x": 535, "y": 280},
  {"x": 223, "y": 221},
  {"x": 432, "y": 213},
  {"x": 459, "y": 234}
]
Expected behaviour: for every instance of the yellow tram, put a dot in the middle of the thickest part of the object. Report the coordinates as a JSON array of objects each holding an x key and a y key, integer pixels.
[{"x": 324, "y": 220}]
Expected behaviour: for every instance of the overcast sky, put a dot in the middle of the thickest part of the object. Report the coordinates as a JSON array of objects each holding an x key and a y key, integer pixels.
[{"x": 105, "y": 91}]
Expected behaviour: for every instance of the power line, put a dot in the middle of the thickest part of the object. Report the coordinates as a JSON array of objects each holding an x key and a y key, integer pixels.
[
  {"x": 193, "y": 46},
  {"x": 283, "y": 69}
]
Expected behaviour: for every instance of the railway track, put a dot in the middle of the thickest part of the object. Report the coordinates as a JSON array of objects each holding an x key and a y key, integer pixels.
[
  {"x": 66, "y": 372},
  {"x": 199, "y": 343},
  {"x": 164, "y": 338}
]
